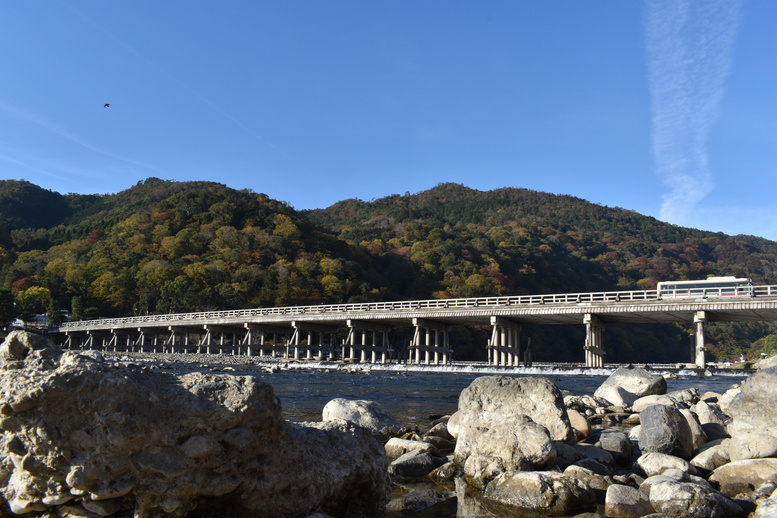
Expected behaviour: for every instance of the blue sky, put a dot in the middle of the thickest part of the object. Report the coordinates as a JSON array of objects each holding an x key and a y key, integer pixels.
[{"x": 668, "y": 108}]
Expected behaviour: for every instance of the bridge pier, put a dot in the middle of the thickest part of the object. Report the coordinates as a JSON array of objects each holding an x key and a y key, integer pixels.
[
  {"x": 594, "y": 341},
  {"x": 504, "y": 348},
  {"x": 431, "y": 338},
  {"x": 277, "y": 346},
  {"x": 180, "y": 334},
  {"x": 223, "y": 342},
  {"x": 373, "y": 340},
  {"x": 699, "y": 318},
  {"x": 315, "y": 340}
]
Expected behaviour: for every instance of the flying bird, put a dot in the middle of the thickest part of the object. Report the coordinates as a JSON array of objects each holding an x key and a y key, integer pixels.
[{"x": 106, "y": 105}]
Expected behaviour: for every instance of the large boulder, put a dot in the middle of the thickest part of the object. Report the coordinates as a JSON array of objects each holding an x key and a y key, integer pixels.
[
  {"x": 755, "y": 445},
  {"x": 711, "y": 456},
  {"x": 753, "y": 409},
  {"x": 688, "y": 499},
  {"x": 625, "y": 386},
  {"x": 709, "y": 413},
  {"x": 626, "y": 502},
  {"x": 508, "y": 424},
  {"x": 766, "y": 363},
  {"x": 546, "y": 492},
  {"x": 490, "y": 399},
  {"x": 102, "y": 437},
  {"x": 744, "y": 476},
  {"x": 367, "y": 414},
  {"x": 513, "y": 444},
  {"x": 664, "y": 429}
]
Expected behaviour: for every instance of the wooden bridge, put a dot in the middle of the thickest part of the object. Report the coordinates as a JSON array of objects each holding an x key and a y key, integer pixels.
[{"x": 311, "y": 332}]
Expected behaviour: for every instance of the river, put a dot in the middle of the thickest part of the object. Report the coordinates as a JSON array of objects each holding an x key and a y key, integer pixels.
[{"x": 414, "y": 393}]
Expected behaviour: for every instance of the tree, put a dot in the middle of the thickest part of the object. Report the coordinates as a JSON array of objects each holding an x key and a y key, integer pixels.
[
  {"x": 53, "y": 314},
  {"x": 77, "y": 308}
]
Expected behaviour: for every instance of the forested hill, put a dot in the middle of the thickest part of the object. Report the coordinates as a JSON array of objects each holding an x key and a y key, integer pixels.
[
  {"x": 164, "y": 246},
  {"x": 538, "y": 242}
]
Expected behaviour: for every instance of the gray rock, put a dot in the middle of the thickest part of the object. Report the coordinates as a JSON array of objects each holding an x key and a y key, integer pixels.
[
  {"x": 767, "y": 508},
  {"x": 490, "y": 399},
  {"x": 440, "y": 430},
  {"x": 589, "y": 451},
  {"x": 624, "y": 386},
  {"x": 665, "y": 430},
  {"x": 396, "y": 447},
  {"x": 708, "y": 413},
  {"x": 753, "y": 410},
  {"x": 442, "y": 445},
  {"x": 692, "y": 500},
  {"x": 418, "y": 501},
  {"x": 413, "y": 464},
  {"x": 710, "y": 397},
  {"x": 744, "y": 476},
  {"x": 755, "y": 445},
  {"x": 653, "y": 399},
  {"x": 566, "y": 454},
  {"x": 626, "y": 502},
  {"x": 445, "y": 472},
  {"x": 542, "y": 491},
  {"x": 367, "y": 414},
  {"x": 688, "y": 396},
  {"x": 111, "y": 436},
  {"x": 513, "y": 444},
  {"x": 453, "y": 425},
  {"x": 651, "y": 464},
  {"x": 598, "y": 482},
  {"x": 579, "y": 422},
  {"x": 766, "y": 363},
  {"x": 617, "y": 444},
  {"x": 725, "y": 400},
  {"x": 697, "y": 432},
  {"x": 709, "y": 459},
  {"x": 714, "y": 431},
  {"x": 596, "y": 466}
]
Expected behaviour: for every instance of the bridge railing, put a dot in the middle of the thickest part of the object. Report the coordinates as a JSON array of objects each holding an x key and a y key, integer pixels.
[{"x": 407, "y": 305}]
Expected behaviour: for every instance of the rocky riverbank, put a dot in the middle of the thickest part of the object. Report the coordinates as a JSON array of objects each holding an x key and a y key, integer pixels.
[
  {"x": 85, "y": 436},
  {"x": 630, "y": 450}
]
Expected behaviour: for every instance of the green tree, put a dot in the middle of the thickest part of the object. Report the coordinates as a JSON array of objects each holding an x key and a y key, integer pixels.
[
  {"x": 53, "y": 314},
  {"x": 77, "y": 308}
]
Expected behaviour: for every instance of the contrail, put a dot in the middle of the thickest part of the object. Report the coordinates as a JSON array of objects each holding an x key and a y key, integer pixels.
[{"x": 689, "y": 47}]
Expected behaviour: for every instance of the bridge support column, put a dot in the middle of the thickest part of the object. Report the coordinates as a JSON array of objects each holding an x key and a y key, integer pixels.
[
  {"x": 277, "y": 344},
  {"x": 431, "y": 338},
  {"x": 374, "y": 340},
  {"x": 504, "y": 346},
  {"x": 698, "y": 358},
  {"x": 594, "y": 341},
  {"x": 317, "y": 346}
]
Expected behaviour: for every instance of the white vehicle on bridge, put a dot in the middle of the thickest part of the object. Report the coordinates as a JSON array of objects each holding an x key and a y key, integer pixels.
[{"x": 711, "y": 287}]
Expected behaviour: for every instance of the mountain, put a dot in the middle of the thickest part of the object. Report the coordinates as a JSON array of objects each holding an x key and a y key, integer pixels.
[{"x": 164, "y": 246}]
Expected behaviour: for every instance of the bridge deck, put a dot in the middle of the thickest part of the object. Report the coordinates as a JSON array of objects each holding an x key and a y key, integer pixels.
[{"x": 627, "y": 307}]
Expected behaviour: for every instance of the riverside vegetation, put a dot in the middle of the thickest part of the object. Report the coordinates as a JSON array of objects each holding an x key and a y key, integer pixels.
[
  {"x": 84, "y": 436},
  {"x": 165, "y": 246}
]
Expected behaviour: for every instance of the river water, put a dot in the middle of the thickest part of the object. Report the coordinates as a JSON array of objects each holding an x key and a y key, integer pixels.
[{"x": 414, "y": 395}]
